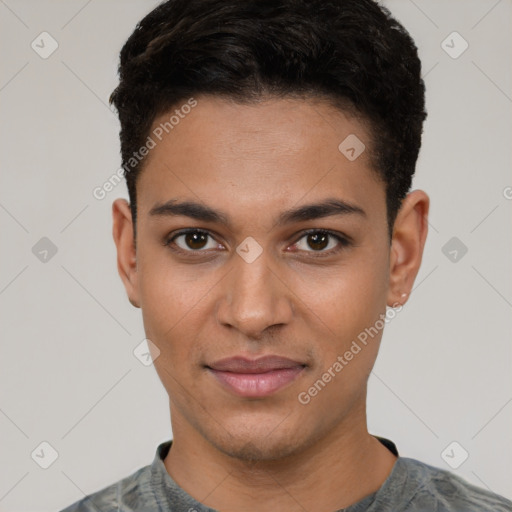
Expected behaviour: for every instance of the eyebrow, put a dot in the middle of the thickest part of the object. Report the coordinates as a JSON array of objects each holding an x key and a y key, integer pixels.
[{"x": 198, "y": 211}]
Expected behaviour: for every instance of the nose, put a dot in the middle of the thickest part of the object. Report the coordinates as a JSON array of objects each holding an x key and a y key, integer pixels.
[{"x": 254, "y": 298}]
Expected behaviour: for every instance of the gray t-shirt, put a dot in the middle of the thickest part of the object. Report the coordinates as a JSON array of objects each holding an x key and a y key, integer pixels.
[{"x": 412, "y": 486}]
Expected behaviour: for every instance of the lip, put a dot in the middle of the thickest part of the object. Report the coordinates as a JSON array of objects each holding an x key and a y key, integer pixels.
[{"x": 255, "y": 378}]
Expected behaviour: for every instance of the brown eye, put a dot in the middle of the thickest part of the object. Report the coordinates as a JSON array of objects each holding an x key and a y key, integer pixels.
[
  {"x": 195, "y": 240},
  {"x": 322, "y": 242},
  {"x": 318, "y": 241},
  {"x": 192, "y": 241}
]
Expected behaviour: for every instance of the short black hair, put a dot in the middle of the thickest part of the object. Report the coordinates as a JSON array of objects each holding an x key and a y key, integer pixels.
[{"x": 351, "y": 52}]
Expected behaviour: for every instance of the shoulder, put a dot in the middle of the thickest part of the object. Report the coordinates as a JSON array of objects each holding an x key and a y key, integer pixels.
[
  {"x": 440, "y": 490},
  {"x": 132, "y": 491}
]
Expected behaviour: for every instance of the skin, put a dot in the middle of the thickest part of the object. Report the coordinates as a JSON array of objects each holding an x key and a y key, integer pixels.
[{"x": 252, "y": 162}]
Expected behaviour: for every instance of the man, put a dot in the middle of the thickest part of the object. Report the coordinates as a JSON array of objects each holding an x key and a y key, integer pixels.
[{"x": 269, "y": 149}]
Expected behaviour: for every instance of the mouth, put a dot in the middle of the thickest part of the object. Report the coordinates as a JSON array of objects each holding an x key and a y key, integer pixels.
[{"x": 255, "y": 378}]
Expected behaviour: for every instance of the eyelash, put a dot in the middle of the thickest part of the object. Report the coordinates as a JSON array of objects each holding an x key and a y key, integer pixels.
[{"x": 343, "y": 242}]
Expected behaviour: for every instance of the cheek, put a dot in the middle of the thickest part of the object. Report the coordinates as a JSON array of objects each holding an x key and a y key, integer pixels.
[
  {"x": 177, "y": 315},
  {"x": 171, "y": 310},
  {"x": 170, "y": 304},
  {"x": 345, "y": 353},
  {"x": 169, "y": 293},
  {"x": 345, "y": 301}
]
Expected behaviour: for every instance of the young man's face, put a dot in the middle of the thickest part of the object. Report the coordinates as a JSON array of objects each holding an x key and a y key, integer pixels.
[{"x": 214, "y": 295}]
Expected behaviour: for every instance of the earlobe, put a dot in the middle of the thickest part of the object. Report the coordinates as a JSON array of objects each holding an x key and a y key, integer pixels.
[
  {"x": 409, "y": 236},
  {"x": 122, "y": 232}
]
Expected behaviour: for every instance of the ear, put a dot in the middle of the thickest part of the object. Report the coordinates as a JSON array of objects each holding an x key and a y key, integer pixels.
[
  {"x": 122, "y": 232},
  {"x": 409, "y": 235}
]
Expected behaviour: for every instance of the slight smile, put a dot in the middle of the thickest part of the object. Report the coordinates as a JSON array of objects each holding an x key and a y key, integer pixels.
[{"x": 255, "y": 378}]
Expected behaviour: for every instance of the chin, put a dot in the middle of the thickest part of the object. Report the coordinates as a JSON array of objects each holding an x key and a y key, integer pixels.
[
  {"x": 256, "y": 450},
  {"x": 261, "y": 442}
]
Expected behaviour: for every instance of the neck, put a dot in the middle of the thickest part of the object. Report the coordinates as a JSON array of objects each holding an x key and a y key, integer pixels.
[{"x": 332, "y": 473}]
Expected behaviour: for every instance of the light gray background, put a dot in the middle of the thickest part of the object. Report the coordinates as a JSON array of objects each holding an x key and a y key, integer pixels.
[{"x": 68, "y": 373}]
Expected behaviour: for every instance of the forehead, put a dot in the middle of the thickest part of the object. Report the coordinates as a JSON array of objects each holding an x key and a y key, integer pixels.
[{"x": 271, "y": 154}]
